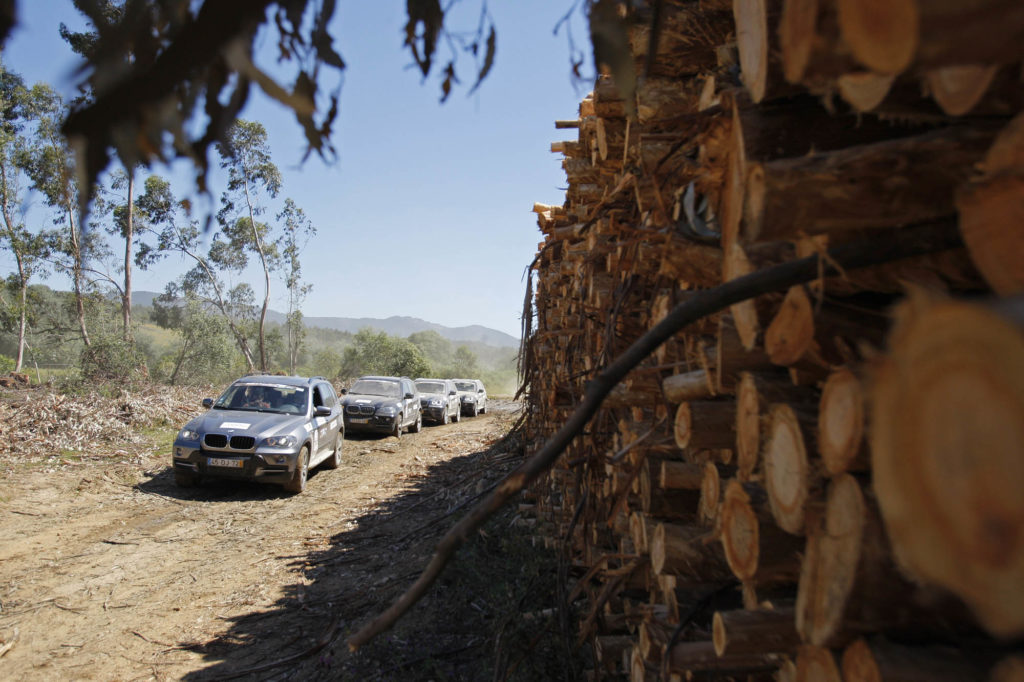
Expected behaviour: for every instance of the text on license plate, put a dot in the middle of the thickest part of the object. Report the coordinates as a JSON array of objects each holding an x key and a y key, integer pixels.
[
  {"x": 234, "y": 463},
  {"x": 359, "y": 420}
]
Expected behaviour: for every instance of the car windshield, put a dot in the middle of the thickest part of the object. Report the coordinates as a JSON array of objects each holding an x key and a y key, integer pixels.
[
  {"x": 264, "y": 398},
  {"x": 430, "y": 386},
  {"x": 465, "y": 385},
  {"x": 386, "y": 389}
]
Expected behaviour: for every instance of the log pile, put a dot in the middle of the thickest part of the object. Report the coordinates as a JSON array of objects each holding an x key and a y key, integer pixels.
[{"x": 819, "y": 483}]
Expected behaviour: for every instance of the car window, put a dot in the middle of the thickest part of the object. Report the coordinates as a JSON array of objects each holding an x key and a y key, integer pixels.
[
  {"x": 465, "y": 385},
  {"x": 431, "y": 387},
  {"x": 318, "y": 398},
  {"x": 327, "y": 394},
  {"x": 385, "y": 389}
]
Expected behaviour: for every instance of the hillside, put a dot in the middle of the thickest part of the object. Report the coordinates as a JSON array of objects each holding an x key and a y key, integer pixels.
[{"x": 401, "y": 326}]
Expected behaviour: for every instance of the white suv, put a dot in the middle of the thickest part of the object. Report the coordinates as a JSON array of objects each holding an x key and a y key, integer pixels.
[{"x": 473, "y": 396}]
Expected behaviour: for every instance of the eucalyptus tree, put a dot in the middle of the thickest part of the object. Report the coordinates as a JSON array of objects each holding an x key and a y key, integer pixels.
[
  {"x": 28, "y": 248},
  {"x": 252, "y": 177},
  {"x": 297, "y": 230},
  {"x": 49, "y": 163},
  {"x": 174, "y": 233}
]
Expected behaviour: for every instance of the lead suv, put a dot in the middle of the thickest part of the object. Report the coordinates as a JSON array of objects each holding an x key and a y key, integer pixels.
[
  {"x": 382, "y": 405},
  {"x": 271, "y": 429}
]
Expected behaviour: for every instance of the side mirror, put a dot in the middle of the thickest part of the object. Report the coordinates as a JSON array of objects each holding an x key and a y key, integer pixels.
[
  {"x": 322, "y": 411},
  {"x": 480, "y": 391},
  {"x": 409, "y": 396},
  {"x": 207, "y": 403},
  {"x": 344, "y": 391}
]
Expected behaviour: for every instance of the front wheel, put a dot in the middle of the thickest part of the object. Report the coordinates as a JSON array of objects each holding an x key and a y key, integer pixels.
[
  {"x": 397, "y": 431},
  {"x": 457, "y": 417},
  {"x": 444, "y": 418},
  {"x": 298, "y": 482},
  {"x": 415, "y": 428},
  {"x": 334, "y": 460}
]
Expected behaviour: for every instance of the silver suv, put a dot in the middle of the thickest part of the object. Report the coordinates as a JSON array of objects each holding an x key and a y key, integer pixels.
[
  {"x": 439, "y": 400},
  {"x": 382, "y": 405},
  {"x": 271, "y": 429},
  {"x": 473, "y": 396}
]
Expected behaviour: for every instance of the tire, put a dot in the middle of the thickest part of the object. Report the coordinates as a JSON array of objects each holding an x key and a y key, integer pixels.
[
  {"x": 475, "y": 410},
  {"x": 185, "y": 480},
  {"x": 298, "y": 482},
  {"x": 483, "y": 409},
  {"x": 458, "y": 414},
  {"x": 397, "y": 433},
  {"x": 334, "y": 460},
  {"x": 444, "y": 417},
  {"x": 418, "y": 426}
]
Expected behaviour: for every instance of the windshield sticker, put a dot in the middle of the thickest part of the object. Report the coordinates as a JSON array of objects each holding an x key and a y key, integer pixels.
[
  {"x": 234, "y": 425},
  {"x": 363, "y": 400}
]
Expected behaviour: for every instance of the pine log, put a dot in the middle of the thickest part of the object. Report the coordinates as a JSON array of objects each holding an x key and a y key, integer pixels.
[
  {"x": 703, "y": 424},
  {"x": 700, "y": 657},
  {"x": 947, "y": 432},
  {"x": 688, "y": 39},
  {"x": 681, "y": 550},
  {"x": 680, "y": 475},
  {"x": 992, "y": 212},
  {"x": 864, "y": 90},
  {"x": 892, "y": 36},
  {"x": 841, "y": 441},
  {"x": 881, "y": 185},
  {"x": 688, "y": 386},
  {"x": 816, "y": 664},
  {"x": 957, "y": 89},
  {"x": 791, "y": 332},
  {"x": 748, "y": 426},
  {"x": 755, "y": 549},
  {"x": 879, "y": 660},
  {"x": 1010, "y": 669},
  {"x": 758, "y": 631},
  {"x": 710, "y": 494},
  {"x": 789, "y": 477}
]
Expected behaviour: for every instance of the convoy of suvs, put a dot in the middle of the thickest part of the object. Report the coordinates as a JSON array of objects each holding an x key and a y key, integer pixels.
[{"x": 275, "y": 429}]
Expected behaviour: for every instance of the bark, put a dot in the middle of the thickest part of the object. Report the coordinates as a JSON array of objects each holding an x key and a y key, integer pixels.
[{"x": 129, "y": 237}]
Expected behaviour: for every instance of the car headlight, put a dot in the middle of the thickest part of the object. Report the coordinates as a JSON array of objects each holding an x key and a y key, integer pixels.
[
  {"x": 469, "y": 398},
  {"x": 436, "y": 402},
  {"x": 387, "y": 410},
  {"x": 281, "y": 441},
  {"x": 188, "y": 434}
]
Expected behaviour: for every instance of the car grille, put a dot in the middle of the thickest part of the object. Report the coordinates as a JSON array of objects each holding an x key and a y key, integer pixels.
[
  {"x": 359, "y": 409},
  {"x": 219, "y": 440}
]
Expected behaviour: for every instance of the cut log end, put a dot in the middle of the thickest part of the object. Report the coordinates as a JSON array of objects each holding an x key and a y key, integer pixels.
[
  {"x": 740, "y": 532},
  {"x": 840, "y": 421},
  {"x": 830, "y": 563},
  {"x": 956, "y": 89},
  {"x": 748, "y": 426},
  {"x": 791, "y": 332},
  {"x": 864, "y": 91},
  {"x": 947, "y": 435},
  {"x": 882, "y": 34},
  {"x": 786, "y": 469},
  {"x": 752, "y": 42}
]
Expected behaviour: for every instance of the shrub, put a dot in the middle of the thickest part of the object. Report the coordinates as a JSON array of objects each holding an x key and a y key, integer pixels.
[{"x": 110, "y": 358}]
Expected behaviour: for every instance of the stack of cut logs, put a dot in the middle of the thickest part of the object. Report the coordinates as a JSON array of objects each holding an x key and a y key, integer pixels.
[{"x": 827, "y": 482}]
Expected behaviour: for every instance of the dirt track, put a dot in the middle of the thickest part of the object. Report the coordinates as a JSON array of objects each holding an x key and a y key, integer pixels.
[{"x": 111, "y": 572}]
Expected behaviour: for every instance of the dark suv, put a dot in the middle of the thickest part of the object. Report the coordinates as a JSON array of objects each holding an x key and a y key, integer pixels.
[
  {"x": 271, "y": 429},
  {"x": 382, "y": 405}
]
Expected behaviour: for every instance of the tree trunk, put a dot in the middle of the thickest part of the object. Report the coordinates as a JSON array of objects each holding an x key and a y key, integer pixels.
[
  {"x": 129, "y": 238},
  {"x": 76, "y": 273}
]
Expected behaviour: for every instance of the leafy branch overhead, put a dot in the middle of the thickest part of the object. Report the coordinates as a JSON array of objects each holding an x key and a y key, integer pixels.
[{"x": 167, "y": 79}]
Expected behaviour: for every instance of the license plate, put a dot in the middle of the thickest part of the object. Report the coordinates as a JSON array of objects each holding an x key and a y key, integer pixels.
[
  {"x": 233, "y": 463},
  {"x": 359, "y": 420}
]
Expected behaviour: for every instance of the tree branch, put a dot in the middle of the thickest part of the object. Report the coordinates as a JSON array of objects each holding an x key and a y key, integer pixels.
[{"x": 875, "y": 250}]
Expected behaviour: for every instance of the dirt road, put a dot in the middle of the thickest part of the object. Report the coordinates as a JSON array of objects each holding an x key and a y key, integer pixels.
[{"x": 108, "y": 571}]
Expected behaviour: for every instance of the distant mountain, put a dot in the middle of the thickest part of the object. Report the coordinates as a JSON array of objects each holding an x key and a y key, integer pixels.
[{"x": 401, "y": 326}]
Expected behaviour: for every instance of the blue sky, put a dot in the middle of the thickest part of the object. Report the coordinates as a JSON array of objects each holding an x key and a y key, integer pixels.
[{"x": 427, "y": 211}]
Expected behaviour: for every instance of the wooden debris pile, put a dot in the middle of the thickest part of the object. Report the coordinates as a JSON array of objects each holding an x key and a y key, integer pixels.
[
  {"x": 818, "y": 480},
  {"x": 39, "y": 424}
]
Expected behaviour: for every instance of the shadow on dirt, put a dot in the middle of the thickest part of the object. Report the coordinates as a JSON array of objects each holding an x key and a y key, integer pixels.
[
  {"x": 470, "y": 625},
  {"x": 213, "y": 489}
]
